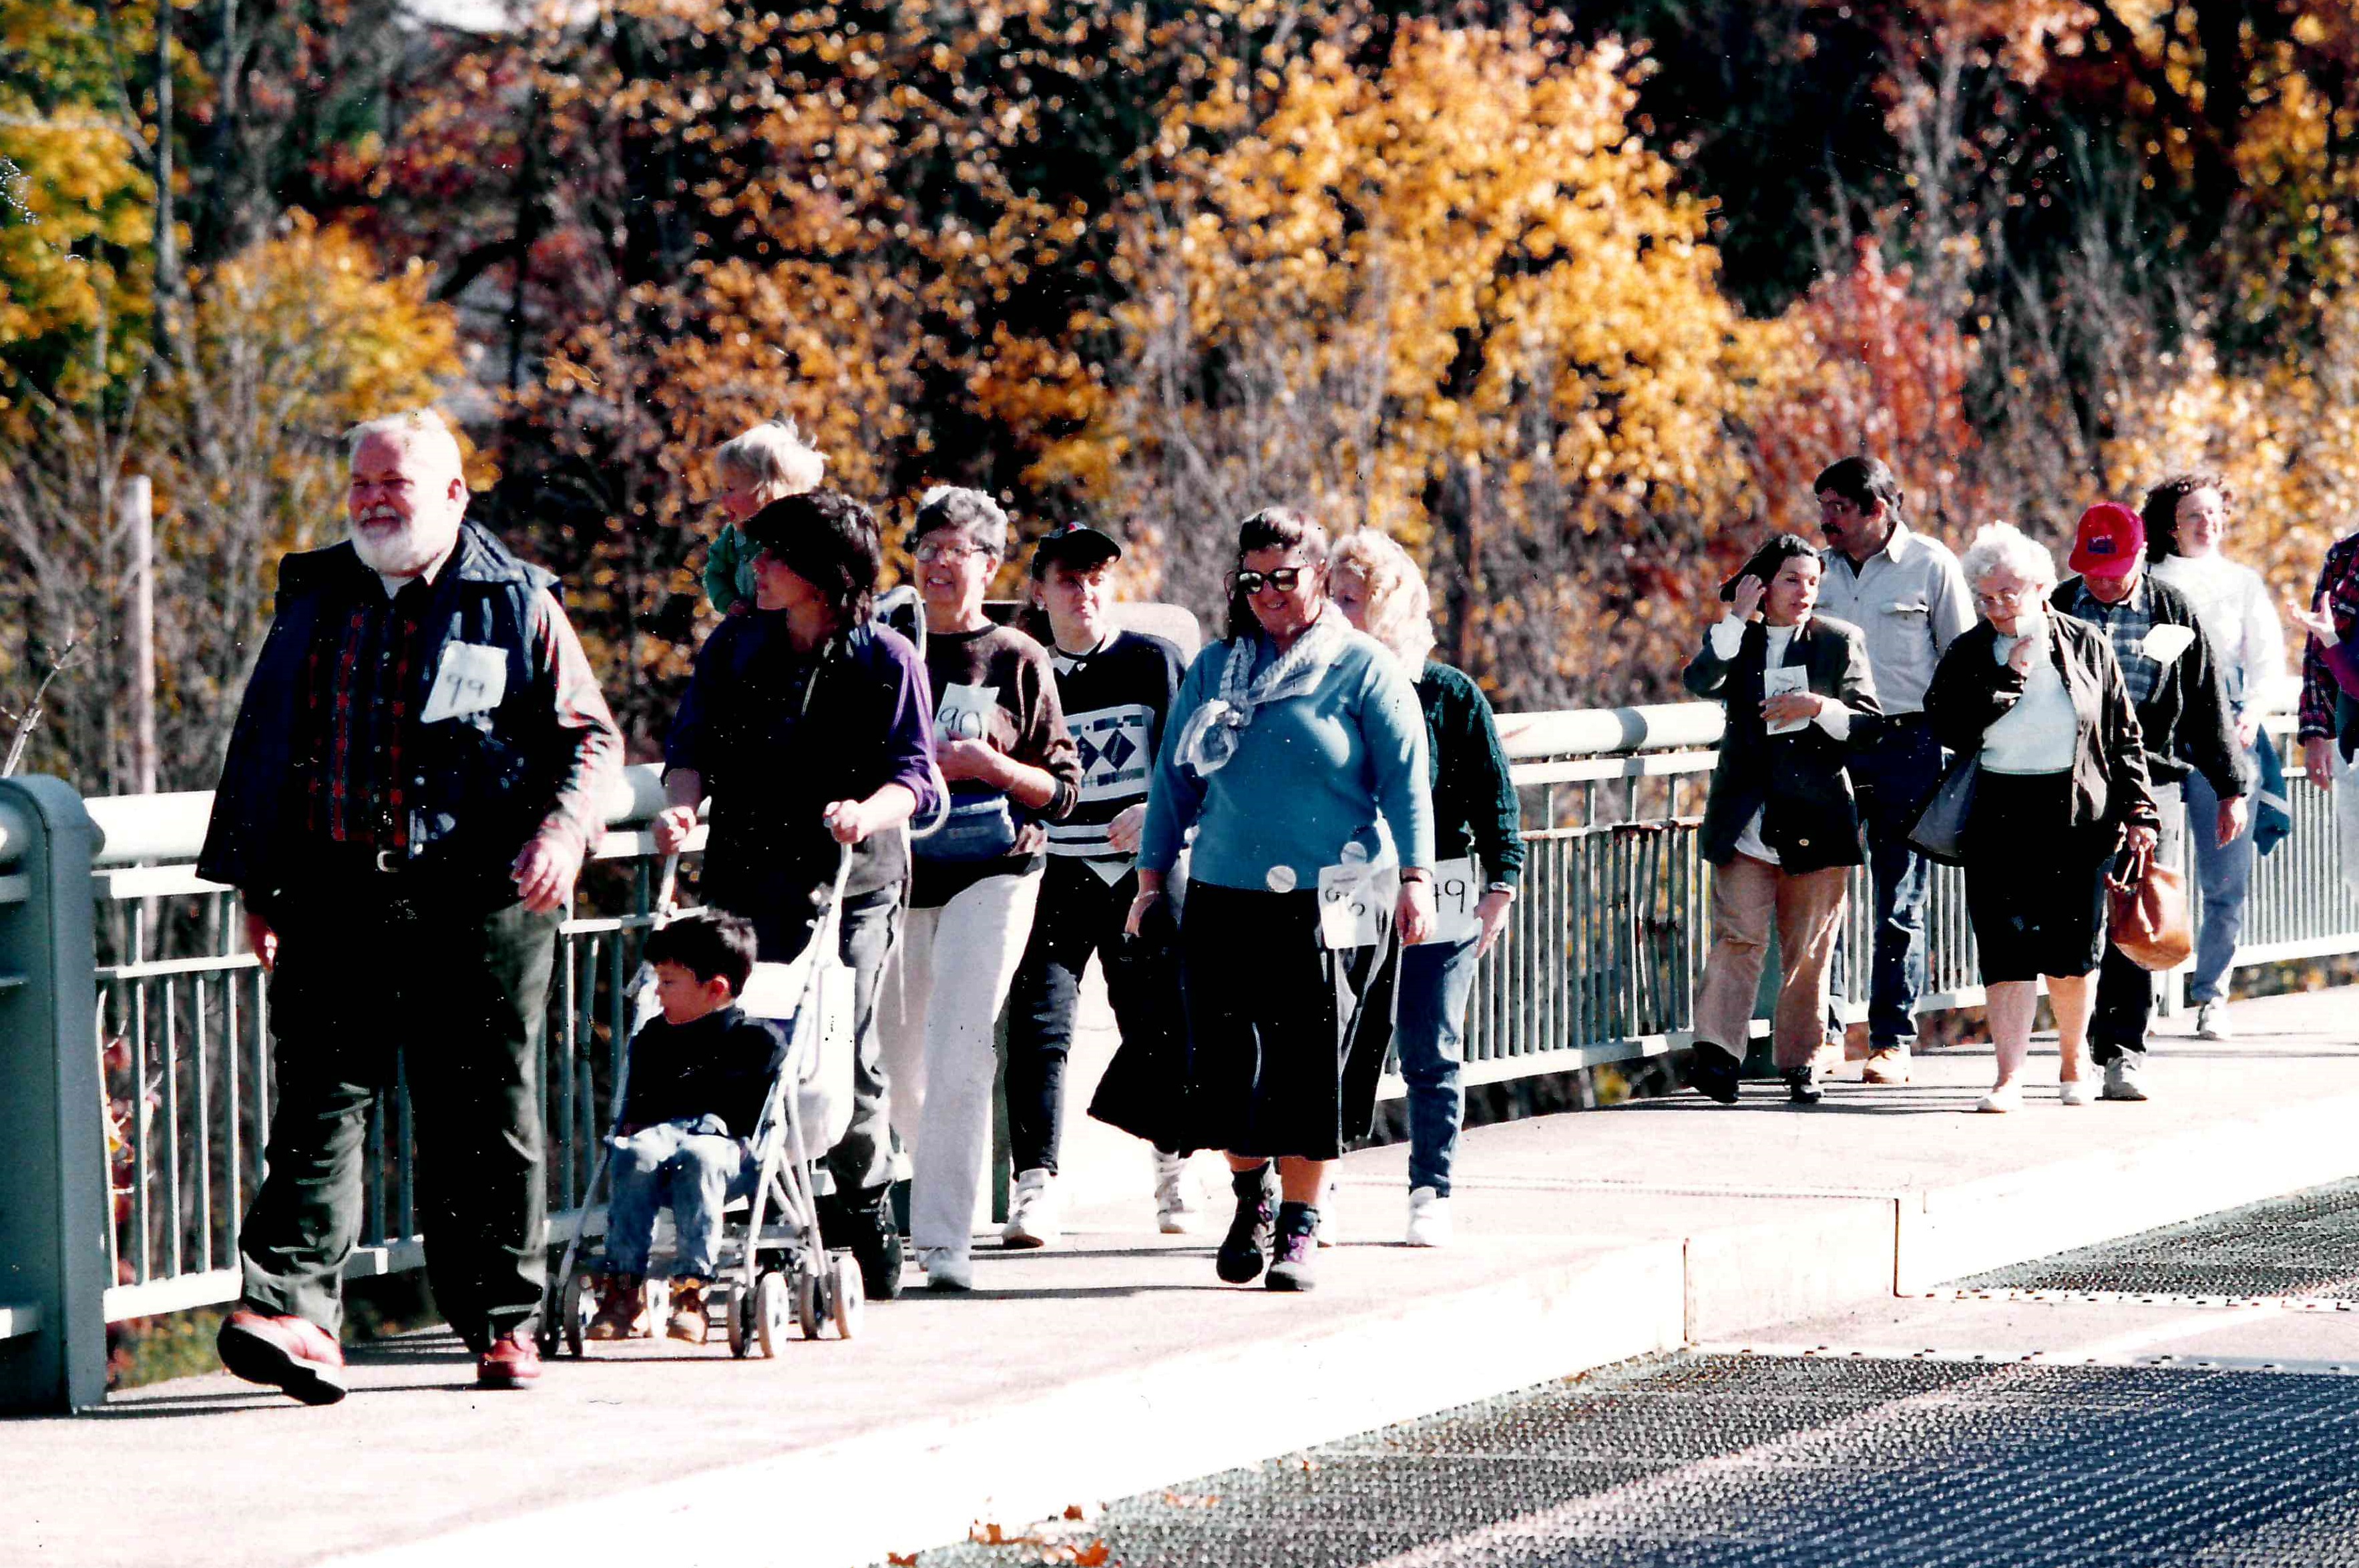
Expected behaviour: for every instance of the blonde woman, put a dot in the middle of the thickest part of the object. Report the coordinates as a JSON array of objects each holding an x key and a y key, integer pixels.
[
  {"x": 1478, "y": 842},
  {"x": 767, "y": 463}
]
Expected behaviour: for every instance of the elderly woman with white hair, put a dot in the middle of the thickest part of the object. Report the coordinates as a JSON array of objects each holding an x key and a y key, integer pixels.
[
  {"x": 2036, "y": 704},
  {"x": 767, "y": 463},
  {"x": 1478, "y": 859}
]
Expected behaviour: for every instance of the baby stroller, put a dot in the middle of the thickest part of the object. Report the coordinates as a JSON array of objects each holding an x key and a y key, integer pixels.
[{"x": 772, "y": 1259}]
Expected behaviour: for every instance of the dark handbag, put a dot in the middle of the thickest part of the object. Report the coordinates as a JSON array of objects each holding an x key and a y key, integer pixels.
[
  {"x": 1145, "y": 1089},
  {"x": 2146, "y": 913},
  {"x": 1940, "y": 830}
]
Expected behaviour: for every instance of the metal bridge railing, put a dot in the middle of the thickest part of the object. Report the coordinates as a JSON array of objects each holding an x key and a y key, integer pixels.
[{"x": 1597, "y": 965}]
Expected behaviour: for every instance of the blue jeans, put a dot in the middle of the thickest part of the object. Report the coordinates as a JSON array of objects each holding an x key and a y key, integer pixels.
[
  {"x": 1429, "y": 1033},
  {"x": 1894, "y": 772},
  {"x": 2223, "y": 875},
  {"x": 680, "y": 1166}
]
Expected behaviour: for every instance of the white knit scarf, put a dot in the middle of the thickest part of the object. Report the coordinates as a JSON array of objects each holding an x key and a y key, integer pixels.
[{"x": 1210, "y": 737}]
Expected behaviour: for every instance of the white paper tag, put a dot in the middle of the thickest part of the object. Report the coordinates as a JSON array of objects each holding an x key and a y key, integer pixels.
[
  {"x": 1355, "y": 900},
  {"x": 2165, "y": 642},
  {"x": 473, "y": 678},
  {"x": 1783, "y": 681},
  {"x": 964, "y": 712},
  {"x": 1456, "y": 891}
]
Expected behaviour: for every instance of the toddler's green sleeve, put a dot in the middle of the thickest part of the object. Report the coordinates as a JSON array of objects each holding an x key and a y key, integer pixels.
[{"x": 722, "y": 559}]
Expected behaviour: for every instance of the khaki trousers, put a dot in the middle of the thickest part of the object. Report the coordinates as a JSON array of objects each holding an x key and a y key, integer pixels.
[{"x": 1747, "y": 896}]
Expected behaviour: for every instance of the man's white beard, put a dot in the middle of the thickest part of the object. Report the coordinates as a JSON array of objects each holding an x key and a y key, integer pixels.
[{"x": 418, "y": 544}]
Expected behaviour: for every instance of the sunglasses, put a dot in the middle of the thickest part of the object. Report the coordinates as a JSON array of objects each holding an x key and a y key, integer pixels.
[{"x": 1286, "y": 579}]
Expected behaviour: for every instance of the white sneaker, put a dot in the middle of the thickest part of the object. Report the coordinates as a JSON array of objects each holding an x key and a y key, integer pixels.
[
  {"x": 2000, "y": 1100},
  {"x": 1429, "y": 1218},
  {"x": 2211, "y": 1020},
  {"x": 2075, "y": 1091},
  {"x": 2122, "y": 1077},
  {"x": 1032, "y": 1219},
  {"x": 1177, "y": 1207},
  {"x": 947, "y": 1269}
]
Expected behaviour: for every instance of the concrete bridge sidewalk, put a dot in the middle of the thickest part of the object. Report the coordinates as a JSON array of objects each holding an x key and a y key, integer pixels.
[{"x": 1118, "y": 1364}]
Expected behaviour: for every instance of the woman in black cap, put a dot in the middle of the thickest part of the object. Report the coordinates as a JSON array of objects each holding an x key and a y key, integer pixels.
[{"x": 1780, "y": 827}]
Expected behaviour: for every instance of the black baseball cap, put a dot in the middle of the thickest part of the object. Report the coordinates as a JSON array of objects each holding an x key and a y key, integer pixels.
[{"x": 1076, "y": 545}]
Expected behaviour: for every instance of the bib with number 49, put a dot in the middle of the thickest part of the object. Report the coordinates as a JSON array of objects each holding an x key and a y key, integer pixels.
[{"x": 1456, "y": 891}]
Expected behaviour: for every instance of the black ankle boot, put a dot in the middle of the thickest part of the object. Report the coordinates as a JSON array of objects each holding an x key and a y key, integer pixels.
[
  {"x": 1242, "y": 1250},
  {"x": 1297, "y": 1248}
]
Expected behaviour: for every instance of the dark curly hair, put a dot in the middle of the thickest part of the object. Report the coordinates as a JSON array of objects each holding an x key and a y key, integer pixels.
[
  {"x": 1863, "y": 481},
  {"x": 2159, "y": 510},
  {"x": 830, "y": 541},
  {"x": 1271, "y": 528}
]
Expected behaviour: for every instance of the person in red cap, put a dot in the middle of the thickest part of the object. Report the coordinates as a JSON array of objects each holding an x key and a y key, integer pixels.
[{"x": 2187, "y": 726}]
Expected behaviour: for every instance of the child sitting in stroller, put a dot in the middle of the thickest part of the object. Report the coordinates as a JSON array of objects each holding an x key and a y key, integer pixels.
[{"x": 698, "y": 1076}]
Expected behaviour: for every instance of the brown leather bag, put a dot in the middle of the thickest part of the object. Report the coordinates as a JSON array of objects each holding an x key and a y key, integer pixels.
[{"x": 2147, "y": 914}]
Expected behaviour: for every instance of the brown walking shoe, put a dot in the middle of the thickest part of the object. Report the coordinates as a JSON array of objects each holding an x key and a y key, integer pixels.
[
  {"x": 622, "y": 1307},
  {"x": 687, "y": 1322},
  {"x": 1885, "y": 1064},
  {"x": 290, "y": 1354}
]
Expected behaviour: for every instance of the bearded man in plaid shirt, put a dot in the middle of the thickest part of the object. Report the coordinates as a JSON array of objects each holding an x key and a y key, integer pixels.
[{"x": 420, "y": 766}]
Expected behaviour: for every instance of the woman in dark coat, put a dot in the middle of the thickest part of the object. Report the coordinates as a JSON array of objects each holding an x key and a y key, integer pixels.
[
  {"x": 1780, "y": 827},
  {"x": 2038, "y": 699}
]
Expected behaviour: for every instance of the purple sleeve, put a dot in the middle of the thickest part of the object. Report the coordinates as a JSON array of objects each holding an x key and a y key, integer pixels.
[
  {"x": 909, "y": 739},
  {"x": 685, "y": 742}
]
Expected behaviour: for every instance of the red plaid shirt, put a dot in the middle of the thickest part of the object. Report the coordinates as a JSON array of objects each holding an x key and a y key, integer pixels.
[
  {"x": 2337, "y": 585},
  {"x": 363, "y": 696}
]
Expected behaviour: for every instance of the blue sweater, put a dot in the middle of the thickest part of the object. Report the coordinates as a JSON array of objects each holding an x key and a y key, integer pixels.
[{"x": 1311, "y": 775}]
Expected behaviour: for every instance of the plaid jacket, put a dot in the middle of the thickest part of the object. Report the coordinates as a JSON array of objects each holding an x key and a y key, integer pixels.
[
  {"x": 470, "y": 790},
  {"x": 2325, "y": 710}
]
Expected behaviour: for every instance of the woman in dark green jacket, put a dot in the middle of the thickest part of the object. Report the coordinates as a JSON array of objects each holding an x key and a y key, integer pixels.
[{"x": 1478, "y": 858}]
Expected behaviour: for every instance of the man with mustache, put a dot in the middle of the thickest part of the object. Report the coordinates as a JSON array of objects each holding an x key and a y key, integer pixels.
[{"x": 417, "y": 769}]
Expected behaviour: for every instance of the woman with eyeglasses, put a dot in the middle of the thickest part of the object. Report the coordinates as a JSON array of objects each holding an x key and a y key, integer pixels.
[
  {"x": 1001, "y": 742},
  {"x": 2038, "y": 701},
  {"x": 1296, "y": 749},
  {"x": 1781, "y": 824}
]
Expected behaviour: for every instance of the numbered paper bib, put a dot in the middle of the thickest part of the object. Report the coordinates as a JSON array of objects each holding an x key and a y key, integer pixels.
[
  {"x": 471, "y": 679},
  {"x": 1355, "y": 902},
  {"x": 1456, "y": 891}
]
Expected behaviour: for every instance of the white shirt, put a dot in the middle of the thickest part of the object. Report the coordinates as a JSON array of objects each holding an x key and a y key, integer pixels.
[
  {"x": 2037, "y": 734},
  {"x": 1910, "y": 601},
  {"x": 2232, "y": 605},
  {"x": 1727, "y": 640}
]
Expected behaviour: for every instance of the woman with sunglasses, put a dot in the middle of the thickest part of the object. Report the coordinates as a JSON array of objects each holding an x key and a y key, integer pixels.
[{"x": 1296, "y": 749}]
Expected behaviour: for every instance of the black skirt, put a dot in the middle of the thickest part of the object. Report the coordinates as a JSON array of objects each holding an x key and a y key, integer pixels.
[
  {"x": 2034, "y": 886},
  {"x": 1285, "y": 1039}
]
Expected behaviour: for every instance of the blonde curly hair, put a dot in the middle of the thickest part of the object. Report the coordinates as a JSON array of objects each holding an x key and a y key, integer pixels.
[{"x": 1400, "y": 606}]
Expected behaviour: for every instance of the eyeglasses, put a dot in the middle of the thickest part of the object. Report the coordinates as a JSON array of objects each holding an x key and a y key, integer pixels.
[
  {"x": 1992, "y": 597},
  {"x": 1286, "y": 579},
  {"x": 936, "y": 547}
]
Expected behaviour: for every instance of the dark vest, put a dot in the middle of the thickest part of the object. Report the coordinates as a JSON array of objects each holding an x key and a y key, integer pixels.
[{"x": 481, "y": 783}]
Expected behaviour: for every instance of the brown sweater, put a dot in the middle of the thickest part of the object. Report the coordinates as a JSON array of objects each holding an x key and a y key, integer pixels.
[{"x": 994, "y": 685}]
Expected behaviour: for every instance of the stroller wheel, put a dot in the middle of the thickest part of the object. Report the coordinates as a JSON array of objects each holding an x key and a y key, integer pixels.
[
  {"x": 573, "y": 1313},
  {"x": 851, "y": 1303},
  {"x": 737, "y": 1311},
  {"x": 769, "y": 1311},
  {"x": 810, "y": 1304}
]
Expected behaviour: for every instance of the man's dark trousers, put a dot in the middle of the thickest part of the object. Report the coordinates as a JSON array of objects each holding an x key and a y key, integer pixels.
[
  {"x": 368, "y": 976},
  {"x": 1080, "y": 914},
  {"x": 2125, "y": 1001},
  {"x": 1894, "y": 769}
]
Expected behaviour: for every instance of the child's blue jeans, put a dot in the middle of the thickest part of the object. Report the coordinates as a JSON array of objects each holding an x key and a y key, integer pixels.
[{"x": 684, "y": 1166}]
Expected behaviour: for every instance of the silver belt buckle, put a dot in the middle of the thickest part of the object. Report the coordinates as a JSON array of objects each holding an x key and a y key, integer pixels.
[{"x": 386, "y": 863}]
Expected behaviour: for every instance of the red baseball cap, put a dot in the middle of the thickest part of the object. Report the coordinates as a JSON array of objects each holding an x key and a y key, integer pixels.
[{"x": 2110, "y": 542}]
